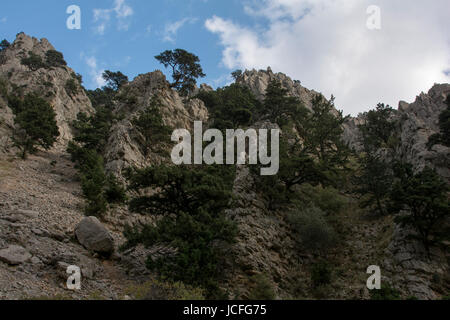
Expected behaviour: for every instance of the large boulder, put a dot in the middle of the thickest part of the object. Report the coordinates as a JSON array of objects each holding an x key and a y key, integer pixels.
[
  {"x": 94, "y": 236},
  {"x": 14, "y": 255}
]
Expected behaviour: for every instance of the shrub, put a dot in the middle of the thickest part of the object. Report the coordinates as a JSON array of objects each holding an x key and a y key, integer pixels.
[
  {"x": 4, "y": 45},
  {"x": 114, "y": 192},
  {"x": 93, "y": 179},
  {"x": 312, "y": 229},
  {"x": 327, "y": 199},
  {"x": 164, "y": 290},
  {"x": 321, "y": 274},
  {"x": 54, "y": 59},
  {"x": 72, "y": 87},
  {"x": 262, "y": 288},
  {"x": 3, "y": 88},
  {"x": 385, "y": 293},
  {"x": 33, "y": 61}
]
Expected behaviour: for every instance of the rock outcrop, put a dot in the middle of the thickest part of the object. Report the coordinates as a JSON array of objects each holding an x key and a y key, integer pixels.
[
  {"x": 50, "y": 82},
  {"x": 419, "y": 121},
  {"x": 257, "y": 82},
  {"x": 123, "y": 148}
]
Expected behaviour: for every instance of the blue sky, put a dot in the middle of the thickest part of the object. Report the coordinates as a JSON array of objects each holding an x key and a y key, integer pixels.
[
  {"x": 325, "y": 44},
  {"x": 128, "y": 44}
]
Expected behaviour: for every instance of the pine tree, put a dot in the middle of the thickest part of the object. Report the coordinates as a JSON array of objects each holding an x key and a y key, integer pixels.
[
  {"x": 149, "y": 123},
  {"x": 425, "y": 196},
  {"x": 185, "y": 67},
  {"x": 35, "y": 123},
  {"x": 191, "y": 202}
]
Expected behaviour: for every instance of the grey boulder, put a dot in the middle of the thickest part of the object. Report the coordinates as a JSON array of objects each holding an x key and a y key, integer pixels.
[{"x": 91, "y": 234}]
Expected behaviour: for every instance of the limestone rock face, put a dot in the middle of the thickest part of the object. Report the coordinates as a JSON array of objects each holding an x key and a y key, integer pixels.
[
  {"x": 123, "y": 148},
  {"x": 258, "y": 81},
  {"x": 48, "y": 82},
  {"x": 94, "y": 236},
  {"x": 409, "y": 267},
  {"x": 419, "y": 120}
]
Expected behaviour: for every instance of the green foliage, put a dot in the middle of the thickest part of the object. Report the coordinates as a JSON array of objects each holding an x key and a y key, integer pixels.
[
  {"x": 114, "y": 191},
  {"x": 35, "y": 122},
  {"x": 72, "y": 87},
  {"x": 101, "y": 97},
  {"x": 192, "y": 203},
  {"x": 327, "y": 199},
  {"x": 230, "y": 107},
  {"x": 98, "y": 188},
  {"x": 316, "y": 153},
  {"x": 3, "y": 88},
  {"x": 236, "y": 74},
  {"x": 385, "y": 293},
  {"x": 185, "y": 69},
  {"x": 4, "y": 45},
  {"x": 374, "y": 182},
  {"x": 33, "y": 61},
  {"x": 54, "y": 59},
  {"x": 374, "y": 178},
  {"x": 321, "y": 132},
  {"x": 312, "y": 229},
  {"x": 262, "y": 288},
  {"x": 278, "y": 107},
  {"x": 93, "y": 131},
  {"x": 444, "y": 124},
  {"x": 114, "y": 80},
  {"x": 149, "y": 123},
  {"x": 164, "y": 290},
  {"x": 321, "y": 274},
  {"x": 425, "y": 196},
  {"x": 93, "y": 178},
  {"x": 378, "y": 128},
  {"x": 311, "y": 149}
]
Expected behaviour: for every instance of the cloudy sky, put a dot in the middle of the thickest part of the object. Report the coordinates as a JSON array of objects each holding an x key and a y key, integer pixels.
[{"x": 326, "y": 44}]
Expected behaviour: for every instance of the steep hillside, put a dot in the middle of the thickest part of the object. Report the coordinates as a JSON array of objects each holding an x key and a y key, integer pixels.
[{"x": 42, "y": 201}]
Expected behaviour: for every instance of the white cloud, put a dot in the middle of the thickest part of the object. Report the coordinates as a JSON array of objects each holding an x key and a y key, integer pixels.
[
  {"x": 171, "y": 29},
  {"x": 95, "y": 72},
  {"x": 122, "y": 13},
  {"x": 327, "y": 46},
  {"x": 3, "y": 20}
]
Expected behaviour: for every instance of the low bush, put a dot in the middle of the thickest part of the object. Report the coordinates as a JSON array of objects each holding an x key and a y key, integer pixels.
[
  {"x": 385, "y": 293},
  {"x": 54, "y": 59},
  {"x": 261, "y": 288},
  {"x": 72, "y": 87},
  {"x": 321, "y": 274},
  {"x": 164, "y": 290},
  {"x": 312, "y": 229},
  {"x": 33, "y": 61}
]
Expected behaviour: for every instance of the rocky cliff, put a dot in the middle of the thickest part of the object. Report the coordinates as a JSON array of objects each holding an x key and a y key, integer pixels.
[
  {"x": 123, "y": 148},
  {"x": 41, "y": 202},
  {"x": 50, "y": 82}
]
